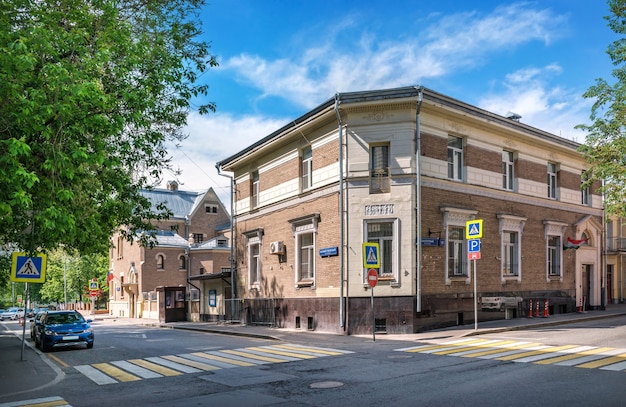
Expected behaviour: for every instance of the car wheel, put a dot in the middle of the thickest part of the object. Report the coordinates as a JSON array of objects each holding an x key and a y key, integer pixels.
[
  {"x": 44, "y": 347},
  {"x": 90, "y": 345}
]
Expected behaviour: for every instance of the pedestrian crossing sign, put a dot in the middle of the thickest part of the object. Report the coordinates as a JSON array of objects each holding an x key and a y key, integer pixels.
[
  {"x": 25, "y": 269},
  {"x": 371, "y": 255},
  {"x": 474, "y": 229}
]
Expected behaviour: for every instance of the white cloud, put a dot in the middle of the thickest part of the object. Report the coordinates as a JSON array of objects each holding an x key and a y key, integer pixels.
[
  {"x": 211, "y": 139},
  {"x": 553, "y": 109},
  {"x": 447, "y": 44}
]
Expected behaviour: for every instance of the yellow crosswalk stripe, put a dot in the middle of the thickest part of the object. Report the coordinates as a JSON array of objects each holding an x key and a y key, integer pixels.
[
  {"x": 603, "y": 362},
  {"x": 192, "y": 363},
  {"x": 115, "y": 372},
  {"x": 165, "y": 371},
  {"x": 446, "y": 345},
  {"x": 501, "y": 350},
  {"x": 253, "y": 356},
  {"x": 472, "y": 347},
  {"x": 223, "y": 359},
  {"x": 570, "y": 356},
  {"x": 278, "y": 352},
  {"x": 548, "y": 349},
  {"x": 307, "y": 349}
]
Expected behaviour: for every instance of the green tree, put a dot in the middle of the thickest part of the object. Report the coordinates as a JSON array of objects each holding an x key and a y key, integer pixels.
[
  {"x": 90, "y": 92},
  {"x": 605, "y": 144}
]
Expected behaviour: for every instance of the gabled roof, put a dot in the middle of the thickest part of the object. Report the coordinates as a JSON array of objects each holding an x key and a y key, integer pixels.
[
  {"x": 181, "y": 203},
  {"x": 169, "y": 238}
]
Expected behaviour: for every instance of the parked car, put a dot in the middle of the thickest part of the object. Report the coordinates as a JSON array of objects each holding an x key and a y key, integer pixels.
[
  {"x": 499, "y": 302},
  {"x": 33, "y": 324},
  {"x": 12, "y": 313},
  {"x": 35, "y": 311},
  {"x": 63, "y": 328}
]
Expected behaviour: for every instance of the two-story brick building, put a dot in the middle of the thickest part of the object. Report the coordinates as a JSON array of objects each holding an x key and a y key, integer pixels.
[
  {"x": 191, "y": 253},
  {"x": 307, "y": 197}
]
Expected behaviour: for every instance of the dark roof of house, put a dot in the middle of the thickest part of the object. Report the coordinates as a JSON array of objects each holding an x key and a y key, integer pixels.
[{"x": 181, "y": 203}]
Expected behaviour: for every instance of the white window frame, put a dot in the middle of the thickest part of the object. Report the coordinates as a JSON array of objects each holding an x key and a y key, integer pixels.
[
  {"x": 255, "y": 264},
  {"x": 380, "y": 176},
  {"x": 255, "y": 189},
  {"x": 553, "y": 191},
  {"x": 508, "y": 170},
  {"x": 457, "y": 217},
  {"x": 455, "y": 158},
  {"x": 161, "y": 266},
  {"x": 393, "y": 275},
  {"x": 511, "y": 224},
  {"x": 585, "y": 195},
  {"x": 306, "y": 168},
  {"x": 554, "y": 252},
  {"x": 300, "y": 227}
]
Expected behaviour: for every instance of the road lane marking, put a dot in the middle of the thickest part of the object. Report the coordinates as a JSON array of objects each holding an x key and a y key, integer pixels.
[
  {"x": 95, "y": 375},
  {"x": 222, "y": 361},
  {"x": 41, "y": 402},
  {"x": 603, "y": 362},
  {"x": 266, "y": 349},
  {"x": 174, "y": 365},
  {"x": 165, "y": 371},
  {"x": 136, "y": 370},
  {"x": 115, "y": 372},
  {"x": 199, "y": 365},
  {"x": 251, "y": 355}
]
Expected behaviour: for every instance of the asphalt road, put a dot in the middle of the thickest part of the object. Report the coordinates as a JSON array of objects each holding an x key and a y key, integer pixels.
[{"x": 142, "y": 366}]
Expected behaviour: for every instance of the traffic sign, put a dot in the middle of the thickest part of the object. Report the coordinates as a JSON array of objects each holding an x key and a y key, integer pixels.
[
  {"x": 26, "y": 269},
  {"x": 473, "y": 245},
  {"x": 372, "y": 277},
  {"x": 93, "y": 293},
  {"x": 473, "y": 256},
  {"x": 93, "y": 284},
  {"x": 371, "y": 258},
  {"x": 474, "y": 229}
]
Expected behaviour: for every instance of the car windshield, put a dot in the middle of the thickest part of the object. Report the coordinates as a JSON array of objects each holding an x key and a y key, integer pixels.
[{"x": 63, "y": 319}]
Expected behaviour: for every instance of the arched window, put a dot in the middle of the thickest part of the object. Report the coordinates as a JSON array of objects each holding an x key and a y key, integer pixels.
[
  {"x": 160, "y": 259},
  {"x": 182, "y": 262}
]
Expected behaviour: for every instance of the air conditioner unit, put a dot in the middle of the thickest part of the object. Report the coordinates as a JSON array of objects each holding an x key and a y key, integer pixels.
[{"x": 277, "y": 248}]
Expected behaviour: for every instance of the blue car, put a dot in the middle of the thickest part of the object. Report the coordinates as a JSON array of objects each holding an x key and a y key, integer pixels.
[{"x": 63, "y": 328}]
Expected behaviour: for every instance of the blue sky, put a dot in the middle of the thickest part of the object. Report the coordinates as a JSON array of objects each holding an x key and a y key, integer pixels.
[{"x": 280, "y": 58}]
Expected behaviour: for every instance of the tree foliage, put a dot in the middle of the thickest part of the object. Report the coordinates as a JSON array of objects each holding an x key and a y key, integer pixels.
[
  {"x": 605, "y": 144},
  {"x": 90, "y": 92}
]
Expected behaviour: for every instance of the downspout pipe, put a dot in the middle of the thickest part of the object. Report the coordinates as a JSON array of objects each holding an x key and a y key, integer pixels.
[
  {"x": 233, "y": 287},
  {"x": 342, "y": 304},
  {"x": 188, "y": 256},
  {"x": 418, "y": 199}
]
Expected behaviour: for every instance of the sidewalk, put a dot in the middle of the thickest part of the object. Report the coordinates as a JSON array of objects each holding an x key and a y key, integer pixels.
[{"x": 31, "y": 370}]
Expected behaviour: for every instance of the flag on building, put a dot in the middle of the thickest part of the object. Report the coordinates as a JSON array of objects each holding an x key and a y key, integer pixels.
[
  {"x": 574, "y": 244},
  {"x": 109, "y": 276}
]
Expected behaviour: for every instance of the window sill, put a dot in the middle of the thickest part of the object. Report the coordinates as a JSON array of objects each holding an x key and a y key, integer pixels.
[{"x": 305, "y": 284}]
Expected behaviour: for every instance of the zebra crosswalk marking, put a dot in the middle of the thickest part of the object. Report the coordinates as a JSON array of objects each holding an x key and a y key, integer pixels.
[
  {"x": 603, "y": 362},
  {"x": 312, "y": 350},
  {"x": 53, "y": 401},
  {"x": 539, "y": 350},
  {"x": 220, "y": 359},
  {"x": 471, "y": 348},
  {"x": 254, "y": 356},
  {"x": 585, "y": 350},
  {"x": 165, "y": 371},
  {"x": 192, "y": 363},
  {"x": 136, "y": 370},
  {"x": 195, "y": 362},
  {"x": 283, "y": 353},
  {"x": 115, "y": 372}
]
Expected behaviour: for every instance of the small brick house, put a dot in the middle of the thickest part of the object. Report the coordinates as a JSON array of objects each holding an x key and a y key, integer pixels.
[
  {"x": 192, "y": 252},
  {"x": 308, "y": 196}
]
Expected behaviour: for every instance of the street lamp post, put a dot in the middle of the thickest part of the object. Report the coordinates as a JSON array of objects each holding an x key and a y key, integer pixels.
[{"x": 64, "y": 283}]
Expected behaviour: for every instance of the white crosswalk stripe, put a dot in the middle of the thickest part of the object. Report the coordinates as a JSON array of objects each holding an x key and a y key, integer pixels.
[
  {"x": 589, "y": 357},
  {"x": 196, "y": 362}
]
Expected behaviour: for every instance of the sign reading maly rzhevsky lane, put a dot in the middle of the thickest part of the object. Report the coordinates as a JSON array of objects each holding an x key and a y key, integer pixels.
[{"x": 25, "y": 269}]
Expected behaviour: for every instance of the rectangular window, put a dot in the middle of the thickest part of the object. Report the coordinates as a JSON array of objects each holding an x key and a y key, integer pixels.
[
  {"x": 379, "y": 169},
  {"x": 510, "y": 243},
  {"x": 507, "y": 170},
  {"x": 307, "y": 168},
  {"x": 554, "y": 255},
  {"x": 198, "y": 238},
  {"x": 585, "y": 197},
  {"x": 306, "y": 257},
  {"x": 255, "y": 263},
  {"x": 455, "y": 158},
  {"x": 552, "y": 187},
  {"x": 383, "y": 234},
  {"x": 457, "y": 252},
  {"x": 255, "y": 189}
]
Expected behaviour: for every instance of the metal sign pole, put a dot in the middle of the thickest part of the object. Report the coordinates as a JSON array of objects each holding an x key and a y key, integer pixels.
[
  {"x": 373, "y": 318},
  {"x": 475, "y": 300}
]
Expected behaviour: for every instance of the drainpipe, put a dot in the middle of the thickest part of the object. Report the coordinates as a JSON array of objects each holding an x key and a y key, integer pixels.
[
  {"x": 342, "y": 305},
  {"x": 188, "y": 255},
  {"x": 233, "y": 264},
  {"x": 418, "y": 198}
]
